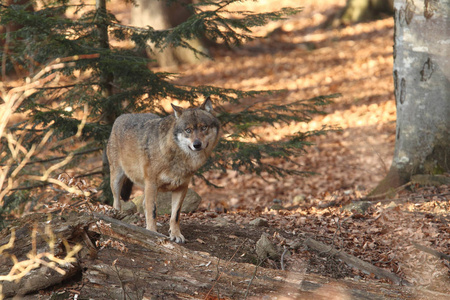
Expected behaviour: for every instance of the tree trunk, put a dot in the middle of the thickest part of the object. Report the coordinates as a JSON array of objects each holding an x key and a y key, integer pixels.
[
  {"x": 363, "y": 10},
  {"x": 422, "y": 90},
  {"x": 7, "y": 43},
  {"x": 106, "y": 77},
  {"x": 106, "y": 86},
  {"x": 161, "y": 15}
]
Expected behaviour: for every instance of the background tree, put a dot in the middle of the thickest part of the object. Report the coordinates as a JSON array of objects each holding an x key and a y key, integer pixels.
[
  {"x": 5, "y": 39},
  {"x": 162, "y": 15},
  {"x": 112, "y": 80},
  {"x": 364, "y": 10},
  {"x": 422, "y": 91}
]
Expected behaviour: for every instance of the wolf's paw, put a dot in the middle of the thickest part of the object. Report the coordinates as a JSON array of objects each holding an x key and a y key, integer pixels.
[
  {"x": 179, "y": 238},
  {"x": 152, "y": 227}
]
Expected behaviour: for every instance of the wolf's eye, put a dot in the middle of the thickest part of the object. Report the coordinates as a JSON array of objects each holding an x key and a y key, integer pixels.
[
  {"x": 188, "y": 130},
  {"x": 204, "y": 128}
]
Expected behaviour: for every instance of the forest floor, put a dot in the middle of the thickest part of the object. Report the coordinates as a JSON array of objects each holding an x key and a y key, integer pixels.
[{"x": 308, "y": 58}]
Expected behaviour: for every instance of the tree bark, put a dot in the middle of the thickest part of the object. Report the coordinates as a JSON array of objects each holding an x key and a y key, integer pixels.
[
  {"x": 160, "y": 15},
  {"x": 422, "y": 90}
]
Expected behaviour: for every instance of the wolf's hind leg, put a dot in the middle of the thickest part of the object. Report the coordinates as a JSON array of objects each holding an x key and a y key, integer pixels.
[{"x": 177, "y": 200}]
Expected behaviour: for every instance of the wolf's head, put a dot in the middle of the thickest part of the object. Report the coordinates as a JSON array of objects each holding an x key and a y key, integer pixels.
[{"x": 196, "y": 129}]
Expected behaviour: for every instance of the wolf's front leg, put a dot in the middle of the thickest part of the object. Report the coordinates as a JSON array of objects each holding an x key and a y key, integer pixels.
[
  {"x": 177, "y": 200},
  {"x": 117, "y": 177},
  {"x": 150, "y": 193}
]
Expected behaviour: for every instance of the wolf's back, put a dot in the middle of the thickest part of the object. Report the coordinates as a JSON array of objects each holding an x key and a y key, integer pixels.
[
  {"x": 128, "y": 123},
  {"x": 131, "y": 137},
  {"x": 133, "y": 130}
]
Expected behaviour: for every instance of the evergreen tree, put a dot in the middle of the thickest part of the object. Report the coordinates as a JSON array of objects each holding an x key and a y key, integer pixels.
[{"x": 114, "y": 80}]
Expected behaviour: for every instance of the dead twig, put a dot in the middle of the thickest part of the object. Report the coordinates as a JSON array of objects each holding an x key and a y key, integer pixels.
[
  {"x": 383, "y": 163},
  {"x": 282, "y": 258},
  {"x": 61, "y": 157},
  {"x": 50, "y": 183},
  {"x": 253, "y": 277}
]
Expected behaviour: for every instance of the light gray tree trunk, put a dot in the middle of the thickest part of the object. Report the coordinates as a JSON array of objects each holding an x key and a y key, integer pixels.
[
  {"x": 422, "y": 90},
  {"x": 159, "y": 15}
]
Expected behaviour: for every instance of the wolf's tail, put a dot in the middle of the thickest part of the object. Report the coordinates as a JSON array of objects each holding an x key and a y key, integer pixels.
[{"x": 127, "y": 186}]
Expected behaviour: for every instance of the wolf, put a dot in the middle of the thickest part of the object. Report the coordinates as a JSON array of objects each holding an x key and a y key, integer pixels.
[{"x": 161, "y": 154}]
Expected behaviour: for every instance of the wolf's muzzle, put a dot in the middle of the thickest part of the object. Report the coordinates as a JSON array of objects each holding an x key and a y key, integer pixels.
[{"x": 197, "y": 145}]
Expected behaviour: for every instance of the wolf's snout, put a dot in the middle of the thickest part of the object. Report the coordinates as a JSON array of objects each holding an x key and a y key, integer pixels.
[{"x": 197, "y": 145}]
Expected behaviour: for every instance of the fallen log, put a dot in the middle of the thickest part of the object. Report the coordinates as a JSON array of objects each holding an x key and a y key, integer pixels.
[
  {"x": 433, "y": 252},
  {"x": 39, "y": 279},
  {"x": 119, "y": 261},
  {"x": 354, "y": 262}
]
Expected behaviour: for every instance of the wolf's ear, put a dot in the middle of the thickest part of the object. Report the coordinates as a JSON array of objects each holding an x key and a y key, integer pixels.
[
  {"x": 207, "y": 105},
  {"x": 177, "y": 110}
]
